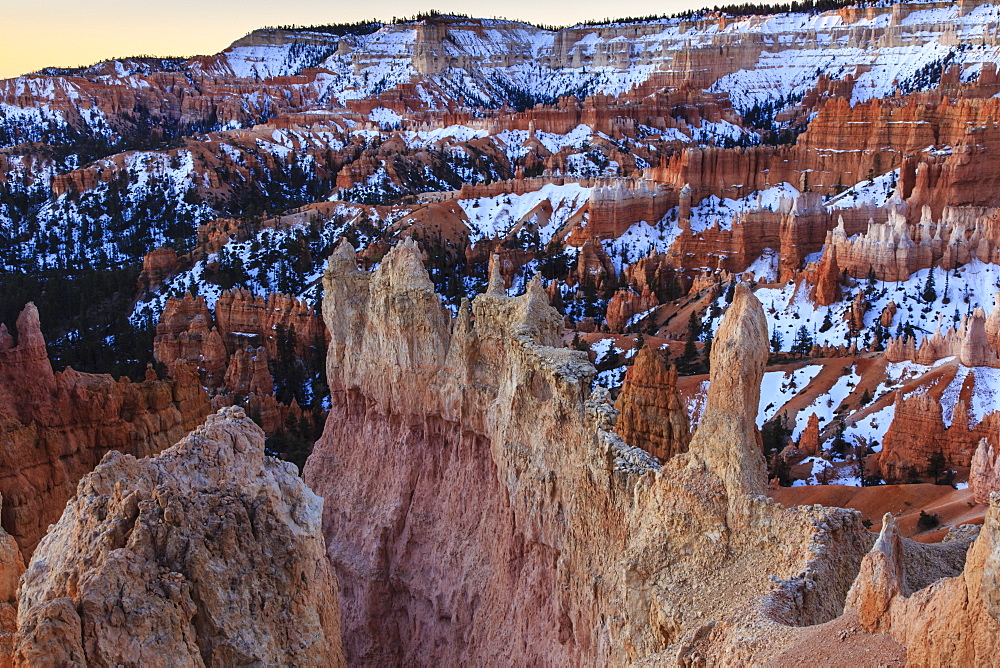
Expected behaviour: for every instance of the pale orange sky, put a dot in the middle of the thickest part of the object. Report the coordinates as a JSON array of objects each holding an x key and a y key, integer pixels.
[{"x": 41, "y": 33}]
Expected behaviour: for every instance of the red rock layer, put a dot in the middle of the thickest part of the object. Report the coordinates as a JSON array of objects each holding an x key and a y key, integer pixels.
[
  {"x": 55, "y": 427},
  {"x": 845, "y": 144},
  {"x": 157, "y": 266},
  {"x": 809, "y": 440},
  {"x": 918, "y": 433}
]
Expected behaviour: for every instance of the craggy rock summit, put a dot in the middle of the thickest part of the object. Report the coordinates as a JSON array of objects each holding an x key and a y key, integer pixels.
[
  {"x": 56, "y": 426},
  {"x": 933, "y": 600},
  {"x": 207, "y": 554},
  {"x": 479, "y": 507}
]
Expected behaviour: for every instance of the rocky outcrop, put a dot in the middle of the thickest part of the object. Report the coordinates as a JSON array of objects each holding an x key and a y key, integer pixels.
[
  {"x": 651, "y": 412},
  {"x": 11, "y": 568},
  {"x": 625, "y": 304},
  {"x": 240, "y": 313},
  {"x": 993, "y": 323},
  {"x": 933, "y": 599},
  {"x": 969, "y": 342},
  {"x": 895, "y": 249},
  {"x": 918, "y": 434},
  {"x": 189, "y": 331},
  {"x": 56, "y": 427},
  {"x": 827, "y": 288},
  {"x": 210, "y": 553},
  {"x": 809, "y": 443},
  {"x": 727, "y": 429},
  {"x": 430, "y": 412},
  {"x": 984, "y": 472},
  {"x": 157, "y": 266},
  {"x": 234, "y": 347}
]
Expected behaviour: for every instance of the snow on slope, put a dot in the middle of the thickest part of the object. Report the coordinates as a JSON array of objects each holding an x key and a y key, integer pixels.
[
  {"x": 548, "y": 209},
  {"x": 789, "y": 307},
  {"x": 825, "y": 405},
  {"x": 714, "y": 210},
  {"x": 489, "y": 62},
  {"x": 778, "y": 387}
]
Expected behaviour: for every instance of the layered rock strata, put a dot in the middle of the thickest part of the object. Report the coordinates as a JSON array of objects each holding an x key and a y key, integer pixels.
[
  {"x": 233, "y": 346},
  {"x": 895, "y": 249},
  {"x": 11, "y": 568},
  {"x": 918, "y": 434},
  {"x": 209, "y": 553}
]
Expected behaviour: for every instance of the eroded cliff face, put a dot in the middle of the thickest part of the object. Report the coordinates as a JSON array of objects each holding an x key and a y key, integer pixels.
[
  {"x": 209, "y": 553},
  {"x": 478, "y": 506},
  {"x": 422, "y": 417},
  {"x": 56, "y": 427}
]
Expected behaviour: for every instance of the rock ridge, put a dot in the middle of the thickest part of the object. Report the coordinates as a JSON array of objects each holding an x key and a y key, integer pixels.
[{"x": 505, "y": 521}]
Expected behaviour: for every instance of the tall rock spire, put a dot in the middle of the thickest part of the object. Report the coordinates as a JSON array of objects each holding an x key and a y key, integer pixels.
[{"x": 727, "y": 439}]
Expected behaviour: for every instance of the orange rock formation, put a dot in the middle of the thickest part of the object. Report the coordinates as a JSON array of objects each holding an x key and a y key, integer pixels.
[
  {"x": 651, "y": 413},
  {"x": 55, "y": 427}
]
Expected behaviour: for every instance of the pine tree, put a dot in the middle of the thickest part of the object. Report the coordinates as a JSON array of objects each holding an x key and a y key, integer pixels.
[
  {"x": 946, "y": 299},
  {"x": 776, "y": 341},
  {"x": 803, "y": 342},
  {"x": 707, "y": 349},
  {"x": 730, "y": 292},
  {"x": 928, "y": 294},
  {"x": 936, "y": 465},
  {"x": 690, "y": 353},
  {"x": 694, "y": 326}
]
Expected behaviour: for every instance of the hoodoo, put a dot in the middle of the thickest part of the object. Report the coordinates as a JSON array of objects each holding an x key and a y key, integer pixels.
[{"x": 438, "y": 411}]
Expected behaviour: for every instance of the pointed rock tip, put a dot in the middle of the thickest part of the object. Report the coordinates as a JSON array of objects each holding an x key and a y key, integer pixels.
[
  {"x": 29, "y": 327},
  {"x": 745, "y": 316},
  {"x": 535, "y": 288},
  {"x": 496, "y": 284},
  {"x": 344, "y": 249}
]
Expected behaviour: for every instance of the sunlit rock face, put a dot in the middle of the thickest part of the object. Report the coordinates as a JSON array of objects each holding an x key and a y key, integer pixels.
[
  {"x": 209, "y": 553},
  {"x": 472, "y": 441}
]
